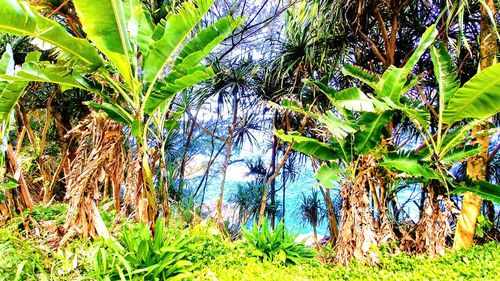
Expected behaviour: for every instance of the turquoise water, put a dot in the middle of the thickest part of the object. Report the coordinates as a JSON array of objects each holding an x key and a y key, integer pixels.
[
  {"x": 292, "y": 201},
  {"x": 305, "y": 183}
]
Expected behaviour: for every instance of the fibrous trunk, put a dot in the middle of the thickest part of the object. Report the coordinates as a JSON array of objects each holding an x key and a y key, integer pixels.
[
  {"x": 429, "y": 237},
  {"x": 361, "y": 230},
  {"x": 100, "y": 157},
  {"x": 358, "y": 233}
]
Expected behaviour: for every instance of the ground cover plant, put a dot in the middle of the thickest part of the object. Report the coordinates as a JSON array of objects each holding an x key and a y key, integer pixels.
[{"x": 203, "y": 254}]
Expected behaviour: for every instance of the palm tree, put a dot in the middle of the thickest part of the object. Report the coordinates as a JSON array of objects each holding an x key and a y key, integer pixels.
[{"x": 236, "y": 87}]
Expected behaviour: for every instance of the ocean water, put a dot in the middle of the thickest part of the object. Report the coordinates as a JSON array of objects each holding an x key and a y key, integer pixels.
[{"x": 304, "y": 184}]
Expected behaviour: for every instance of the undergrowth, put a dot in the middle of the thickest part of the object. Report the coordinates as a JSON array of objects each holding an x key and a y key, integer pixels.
[{"x": 200, "y": 253}]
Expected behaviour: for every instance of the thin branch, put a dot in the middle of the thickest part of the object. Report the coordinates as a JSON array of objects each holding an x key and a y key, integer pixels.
[{"x": 375, "y": 50}]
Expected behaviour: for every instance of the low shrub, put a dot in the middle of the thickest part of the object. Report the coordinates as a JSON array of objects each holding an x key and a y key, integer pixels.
[
  {"x": 278, "y": 245},
  {"x": 137, "y": 255},
  {"x": 53, "y": 212},
  {"x": 477, "y": 263}
]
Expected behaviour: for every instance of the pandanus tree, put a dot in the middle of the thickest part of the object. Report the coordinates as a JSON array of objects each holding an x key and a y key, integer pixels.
[{"x": 133, "y": 66}]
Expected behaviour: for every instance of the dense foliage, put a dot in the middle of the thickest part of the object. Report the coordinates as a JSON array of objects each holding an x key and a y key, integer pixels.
[
  {"x": 139, "y": 139},
  {"x": 211, "y": 257}
]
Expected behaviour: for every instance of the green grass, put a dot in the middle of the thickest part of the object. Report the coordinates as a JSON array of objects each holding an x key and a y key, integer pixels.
[
  {"x": 215, "y": 259},
  {"x": 54, "y": 212},
  {"x": 478, "y": 263}
]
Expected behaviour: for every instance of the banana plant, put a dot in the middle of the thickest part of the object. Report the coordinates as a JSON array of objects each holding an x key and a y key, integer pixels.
[
  {"x": 353, "y": 136},
  {"x": 353, "y": 141},
  {"x": 133, "y": 66},
  {"x": 475, "y": 101}
]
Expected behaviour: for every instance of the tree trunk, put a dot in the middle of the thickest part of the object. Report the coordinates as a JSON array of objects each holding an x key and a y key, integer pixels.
[
  {"x": 283, "y": 204},
  {"x": 100, "y": 155},
  {"x": 476, "y": 165},
  {"x": 26, "y": 200},
  {"x": 186, "y": 147},
  {"x": 357, "y": 233},
  {"x": 269, "y": 181},
  {"x": 273, "y": 183},
  {"x": 332, "y": 219},
  {"x": 433, "y": 226},
  {"x": 229, "y": 145}
]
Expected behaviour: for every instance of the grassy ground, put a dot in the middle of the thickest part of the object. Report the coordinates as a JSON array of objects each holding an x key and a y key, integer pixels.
[
  {"x": 27, "y": 253},
  {"x": 478, "y": 263}
]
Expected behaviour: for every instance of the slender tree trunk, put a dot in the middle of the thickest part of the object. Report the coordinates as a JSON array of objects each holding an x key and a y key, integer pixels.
[
  {"x": 315, "y": 233},
  {"x": 273, "y": 183},
  {"x": 332, "y": 219},
  {"x": 26, "y": 199},
  {"x": 283, "y": 204},
  {"x": 268, "y": 183},
  {"x": 229, "y": 145},
  {"x": 186, "y": 147},
  {"x": 477, "y": 165}
]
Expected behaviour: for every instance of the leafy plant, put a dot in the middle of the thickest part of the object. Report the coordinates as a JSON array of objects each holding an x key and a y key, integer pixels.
[
  {"x": 138, "y": 255},
  {"x": 55, "y": 212},
  {"x": 209, "y": 244},
  {"x": 278, "y": 245},
  {"x": 21, "y": 260},
  {"x": 134, "y": 88}
]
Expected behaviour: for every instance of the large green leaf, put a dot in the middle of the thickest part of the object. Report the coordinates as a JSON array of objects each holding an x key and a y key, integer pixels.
[
  {"x": 343, "y": 148},
  {"x": 409, "y": 165},
  {"x": 169, "y": 36},
  {"x": 351, "y": 98},
  {"x": 140, "y": 25},
  {"x": 327, "y": 90},
  {"x": 203, "y": 43},
  {"x": 477, "y": 98},
  {"x": 20, "y": 19},
  {"x": 328, "y": 175},
  {"x": 427, "y": 39},
  {"x": 106, "y": 26},
  {"x": 49, "y": 73},
  {"x": 445, "y": 74},
  {"x": 370, "y": 130},
  {"x": 175, "y": 82},
  {"x": 455, "y": 138},
  {"x": 114, "y": 111},
  {"x": 7, "y": 63},
  {"x": 459, "y": 154},
  {"x": 393, "y": 83},
  {"x": 185, "y": 71},
  {"x": 337, "y": 127},
  {"x": 484, "y": 189},
  {"x": 354, "y": 99},
  {"x": 308, "y": 146},
  {"x": 13, "y": 91}
]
